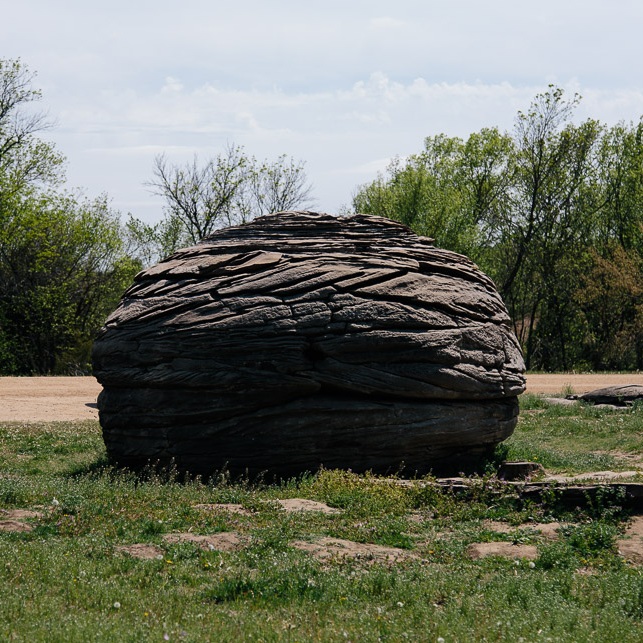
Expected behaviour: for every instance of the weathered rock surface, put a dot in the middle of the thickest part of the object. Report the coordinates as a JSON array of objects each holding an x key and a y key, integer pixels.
[
  {"x": 616, "y": 395},
  {"x": 302, "y": 340}
]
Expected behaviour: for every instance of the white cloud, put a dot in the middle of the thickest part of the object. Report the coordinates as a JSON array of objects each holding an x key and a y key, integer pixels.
[
  {"x": 385, "y": 23},
  {"x": 172, "y": 85}
]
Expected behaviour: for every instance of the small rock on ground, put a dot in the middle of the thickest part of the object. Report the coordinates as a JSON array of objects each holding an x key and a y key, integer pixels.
[
  {"x": 141, "y": 550},
  {"x": 228, "y": 506},
  {"x": 631, "y": 545},
  {"x": 506, "y": 550},
  {"x": 20, "y": 514},
  {"x": 326, "y": 549},
  {"x": 303, "y": 504},
  {"x": 15, "y": 526},
  {"x": 224, "y": 541}
]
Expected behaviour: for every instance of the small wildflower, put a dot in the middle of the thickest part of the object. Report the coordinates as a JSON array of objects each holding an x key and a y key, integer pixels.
[
  {"x": 400, "y": 604},
  {"x": 55, "y": 502},
  {"x": 440, "y": 639},
  {"x": 117, "y": 605},
  {"x": 532, "y": 565}
]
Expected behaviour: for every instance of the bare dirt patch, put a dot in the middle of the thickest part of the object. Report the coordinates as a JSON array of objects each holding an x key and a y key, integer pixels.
[
  {"x": 20, "y": 514},
  {"x": 505, "y": 550},
  {"x": 294, "y": 505},
  {"x": 631, "y": 545},
  {"x": 551, "y": 383},
  {"x": 597, "y": 476},
  {"x": 141, "y": 551},
  {"x": 225, "y": 507},
  {"x": 328, "y": 549},
  {"x": 13, "y": 520},
  {"x": 15, "y": 526},
  {"x": 290, "y": 505},
  {"x": 48, "y": 399},
  {"x": 548, "y": 530},
  {"x": 224, "y": 541}
]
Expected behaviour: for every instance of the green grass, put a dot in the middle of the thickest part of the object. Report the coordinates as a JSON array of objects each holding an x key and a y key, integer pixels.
[
  {"x": 577, "y": 438},
  {"x": 65, "y": 581}
]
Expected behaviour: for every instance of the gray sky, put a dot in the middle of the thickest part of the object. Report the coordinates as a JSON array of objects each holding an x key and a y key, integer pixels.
[{"x": 343, "y": 86}]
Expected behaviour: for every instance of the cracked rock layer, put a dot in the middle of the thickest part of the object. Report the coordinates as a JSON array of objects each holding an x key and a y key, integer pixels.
[{"x": 301, "y": 340}]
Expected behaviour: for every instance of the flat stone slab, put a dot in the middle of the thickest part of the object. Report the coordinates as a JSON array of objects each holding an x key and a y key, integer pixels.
[
  {"x": 327, "y": 549},
  {"x": 224, "y": 541},
  {"x": 15, "y": 526},
  {"x": 141, "y": 551},
  {"x": 296, "y": 505},
  {"x": 505, "y": 550},
  {"x": 614, "y": 395}
]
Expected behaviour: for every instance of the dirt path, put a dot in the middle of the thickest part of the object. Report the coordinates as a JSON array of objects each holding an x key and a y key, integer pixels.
[
  {"x": 41, "y": 399},
  {"x": 554, "y": 384}
]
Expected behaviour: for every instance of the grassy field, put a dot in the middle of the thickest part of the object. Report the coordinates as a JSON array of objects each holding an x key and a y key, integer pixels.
[{"x": 66, "y": 574}]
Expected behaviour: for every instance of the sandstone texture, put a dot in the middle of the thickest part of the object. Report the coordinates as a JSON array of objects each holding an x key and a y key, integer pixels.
[{"x": 303, "y": 340}]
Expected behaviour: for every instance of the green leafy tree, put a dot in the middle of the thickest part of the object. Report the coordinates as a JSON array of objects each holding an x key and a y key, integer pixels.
[
  {"x": 611, "y": 298},
  {"x": 62, "y": 259},
  {"x": 449, "y": 191},
  {"x": 25, "y": 160},
  {"x": 546, "y": 226},
  {"x": 62, "y": 270}
]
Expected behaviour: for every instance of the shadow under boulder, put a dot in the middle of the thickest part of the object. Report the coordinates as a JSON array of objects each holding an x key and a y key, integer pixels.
[{"x": 303, "y": 340}]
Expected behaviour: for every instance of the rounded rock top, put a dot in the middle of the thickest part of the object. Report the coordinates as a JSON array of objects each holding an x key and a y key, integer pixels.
[{"x": 302, "y": 340}]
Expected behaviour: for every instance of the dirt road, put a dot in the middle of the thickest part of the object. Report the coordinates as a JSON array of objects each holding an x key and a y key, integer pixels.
[{"x": 41, "y": 399}]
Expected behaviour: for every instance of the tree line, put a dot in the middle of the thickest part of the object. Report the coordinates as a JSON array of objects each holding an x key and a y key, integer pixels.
[{"x": 553, "y": 212}]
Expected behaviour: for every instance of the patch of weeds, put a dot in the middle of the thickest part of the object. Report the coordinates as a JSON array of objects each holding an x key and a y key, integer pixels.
[
  {"x": 557, "y": 555},
  {"x": 388, "y": 530},
  {"x": 531, "y": 402},
  {"x": 46, "y": 530},
  {"x": 608, "y": 503},
  {"x": 592, "y": 544},
  {"x": 270, "y": 539},
  {"x": 591, "y": 540},
  {"x": 150, "y": 527},
  {"x": 183, "y": 551},
  {"x": 365, "y": 495},
  {"x": 15, "y": 492}
]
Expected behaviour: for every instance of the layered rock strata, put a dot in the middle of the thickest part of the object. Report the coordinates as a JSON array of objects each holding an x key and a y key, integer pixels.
[{"x": 303, "y": 340}]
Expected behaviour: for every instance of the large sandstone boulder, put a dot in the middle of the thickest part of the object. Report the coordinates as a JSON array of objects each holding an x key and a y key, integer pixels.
[{"x": 302, "y": 340}]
